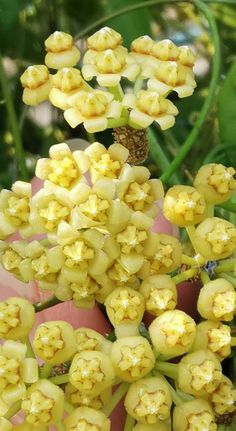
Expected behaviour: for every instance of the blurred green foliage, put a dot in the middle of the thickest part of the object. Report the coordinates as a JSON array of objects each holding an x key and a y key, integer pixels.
[{"x": 25, "y": 24}]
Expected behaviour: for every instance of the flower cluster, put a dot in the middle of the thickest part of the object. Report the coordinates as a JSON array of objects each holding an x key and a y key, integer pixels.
[{"x": 95, "y": 214}]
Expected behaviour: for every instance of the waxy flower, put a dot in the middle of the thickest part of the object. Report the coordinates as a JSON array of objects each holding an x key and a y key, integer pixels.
[
  {"x": 37, "y": 84},
  {"x": 78, "y": 398},
  {"x": 17, "y": 317},
  {"x": 195, "y": 415},
  {"x": 215, "y": 238},
  {"x": 159, "y": 292},
  {"x": 16, "y": 371},
  {"x": 87, "y": 419},
  {"x": 132, "y": 358},
  {"x": 60, "y": 51},
  {"x": 216, "y": 182},
  {"x": 91, "y": 372},
  {"x": 148, "y": 106},
  {"x": 172, "y": 333},
  {"x": 199, "y": 373},
  {"x": 184, "y": 206},
  {"x": 63, "y": 168},
  {"x": 88, "y": 339},
  {"x": 148, "y": 400},
  {"x": 105, "y": 38},
  {"x": 11, "y": 256},
  {"x": 15, "y": 210},
  {"x": 214, "y": 336},
  {"x": 223, "y": 399},
  {"x": 43, "y": 404},
  {"x": 55, "y": 342},
  {"x": 93, "y": 109}
]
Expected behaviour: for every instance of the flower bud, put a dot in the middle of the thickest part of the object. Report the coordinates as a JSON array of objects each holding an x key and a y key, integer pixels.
[
  {"x": 186, "y": 56},
  {"x": 223, "y": 399},
  {"x": 125, "y": 308},
  {"x": 79, "y": 398},
  {"x": 88, "y": 339},
  {"x": 87, "y": 419},
  {"x": 12, "y": 255},
  {"x": 132, "y": 358},
  {"x": 199, "y": 373},
  {"x": 160, "y": 293},
  {"x": 142, "y": 45},
  {"x": 105, "y": 38},
  {"x": 216, "y": 182},
  {"x": 37, "y": 84},
  {"x": 217, "y": 300},
  {"x": 172, "y": 333},
  {"x": 194, "y": 415},
  {"x": 91, "y": 372},
  {"x": 43, "y": 404},
  {"x": 17, "y": 317},
  {"x": 149, "y": 400},
  {"x": 214, "y": 336},
  {"x": 184, "y": 206},
  {"x": 60, "y": 51},
  {"x": 165, "y": 50},
  {"x": 55, "y": 342},
  {"x": 215, "y": 238},
  {"x": 66, "y": 82}
]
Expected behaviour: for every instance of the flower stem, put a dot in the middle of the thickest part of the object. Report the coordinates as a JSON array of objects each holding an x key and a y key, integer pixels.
[
  {"x": 138, "y": 84},
  {"x": 186, "y": 275},
  {"x": 168, "y": 369},
  {"x": 13, "y": 410},
  {"x": 59, "y": 380},
  {"x": 226, "y": 266},
  {"x": 30, "y": 353},
  {"x": 187, "y": 260},
  {"x": 129, "y": 423},
  {"x": 205, "y": 277},
  {"x": 229, "y": 278},
  {"x": 40, "y": 306},
  {"x": 175, "y": 397},
  {"x": 119, "y": 122},
  {"x": 15, "y": 128},
  {"x": 68, "y": 407},
  {"x": 117, "y": 92},
  {"x": 91, "y": 137},
  {"x": 116, "y": 397},
  {"x": 45, "y": 370},
  {"x": 191, "y": 234}
]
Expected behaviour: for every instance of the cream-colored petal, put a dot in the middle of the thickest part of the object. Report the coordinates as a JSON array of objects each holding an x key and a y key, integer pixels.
[
  {"x": 58, "y": 60},
  {"x": 80, "y": 193},
  {"x": 6, "y": 228},
  {"x": 22, "y": 188},
  {"x": 95, "y": 151},
  {"x": 88, "y": 72},
  {"x": 159, "y": 87},
  {"x": 95, "y": 125},
  {"x": 141, "y": 174},
  {"x": 165, "y": 121},
  {"x": 105, "y": 189},
  {"x": 59, "y": 151},
  {"x": 118, "y": 152},
  {"x": 59, "y": 99},
  {"x": 81, "y": 160},
  {"x": 184, "y": 91},
  {"x": 33, "y": 97},
  {"x": 108, "y": 79},
  {"x": 131, "y": 72},
  {"x": 141, "y": 119},
  {"x": 66, "y": 233},
  {"x": 109, "y": 96},
  {"x": 129, "y": 100},
  {"x": 114, "y": 109},
  {"x": 171, "y": 108},
  {"x": 73, "y": 117}
]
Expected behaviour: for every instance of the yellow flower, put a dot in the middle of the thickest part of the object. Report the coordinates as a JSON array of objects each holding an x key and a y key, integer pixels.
[
  {"x": 171, "y": 76},
  {"x": 5, "y": 425},
  {"x": 165, "y": 50},
  {"x": 106, "y": 163},
  {"x": 199, "y": 373},
  {"x": 60, "y": 51},
  {"x": 149, "y": 400},
  {"x": 186, "y": 56},
  {"x": 109, "y": 67},
  {"x": 159, "y": 425},
  {"x": 11, "y": 256},
  {"x": 214, "y": 336},
  {"x": 88, "y": 339},
  {"x": 91, "y": 372},
  {"x": 66, "y": 82},
  {"x": 83, "y": 291},
  {"x": 160, "y": 293},
  {"x": 87, "y": 419},
  {"x": 37, "y": 84},
  {"x": 195, "y": 415},
  {"x": 216, "y": 182},
  {"x": 132, "y": 358},
  {"x": 172, "y": 333},
  {"x": 138, "y": 191},
  {"x": 148, "y": 106},
  {"x": 17, "y": 317},
  {"x": 184, "y": 206},
  {"x": 55, "y": 342},
  {"x": 43, "y": 404},
  {"x": 163, "y": 255},
  {"x": 15, "y": 210},
  {"x": 93, "y": 109},
  {"x": 78, "y": 398},
  {"x": 105, "y": 38},
  {"x": 64, "y": 168},
  {"x": 215, "y": 238},
  {"x": 223, "y": 399},
  {"x": 217, "y": 300}
]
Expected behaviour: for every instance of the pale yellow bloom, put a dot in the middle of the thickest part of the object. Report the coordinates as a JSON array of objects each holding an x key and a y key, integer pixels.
[
  {"x": 132, "y": 358},
  {"x": 184, "y": 206},
  {"x": 165, "y": 50},
  {"x": 149, "y": 400},
  {"x": 17, "y": 317},
  {"x": 199, "y": 373},
  {"x": 216, "y": 182},
  {"x": 11, "y": 255},
  {"x": 172, "y": 333},
  {"x": 60, "y": 51},
  {"x": 148, "y": 106},
  {"x": 214, "y": 336},
  {"x": 37, "y": 84},
  {"x": 159, "y": 292},
  {"x": 15, "y": 210},
  {"x": 215, "y": 238},
  {"x": 91, "y": 372},
  {"x": 78, "y": 398},
  {"x": 195, "y": 415},
  {"x": 88, "y": 339},
  {"x": 87, "y": 419},
  {"x": 63, "y": 167},
  {"x": 83, "y": 291},
  {"x": 93, "y": 109},
  {"x": 186, "y": 56},
  {"x": 217, "y": 300},
  {"x": 223, "y": 399},
  {"x": 105, "y": 38}
]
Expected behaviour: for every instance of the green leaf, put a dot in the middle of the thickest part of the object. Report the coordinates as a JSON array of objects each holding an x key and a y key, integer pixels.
[
  {"x": 227, "y": 108},
  {"x": 131, "y": 25}
]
